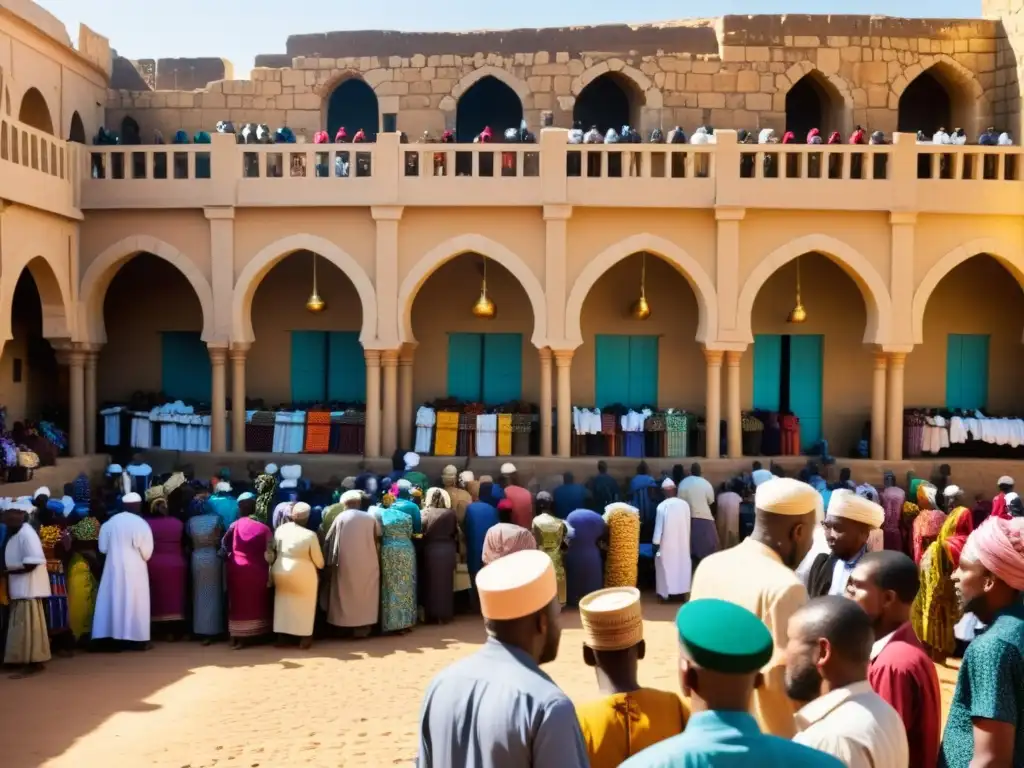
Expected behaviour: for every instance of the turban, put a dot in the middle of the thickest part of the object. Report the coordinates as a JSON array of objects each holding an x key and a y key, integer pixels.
[
  {"x": 999, "y": 545},
  {"x": 446, "y": 499},
  {"x": 854, "y": 507},
  {"x": 247, "y": 496},
  {"x": 926, "y": 496},
  {"x": 786, "y": 496},
  {"x": 41, "y": 491},
  {"x": 449, "y": 471}
]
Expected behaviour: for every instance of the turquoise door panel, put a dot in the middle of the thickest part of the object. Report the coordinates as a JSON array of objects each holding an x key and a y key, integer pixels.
[
  {"x": 185, "y": 372},
  {"x": 767, "y": 371},
  {"x": 967, "y": 370},
  {"x": 465, "y": 366},
  {"x": 806, "y": 359},
  {"x": 502, "y": 367},
  {"x": 643, "y": 371},
  {"x": 309, "y": 366},
  {"x": 611, "y": 374},
  {"x": 346, "y": 367}
]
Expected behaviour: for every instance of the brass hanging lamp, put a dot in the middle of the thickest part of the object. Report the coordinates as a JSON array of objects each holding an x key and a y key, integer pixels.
[
  {"x": 798, "y": 314},
  {"x": 314, "y": 303},
  {"x": 484, "y": 307},
  {"x": 641, "y": 310}
]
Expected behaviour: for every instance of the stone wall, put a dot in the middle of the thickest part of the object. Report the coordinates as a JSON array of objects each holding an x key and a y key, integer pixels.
[
  {"x": 731, "y": 72},
  {"x": 1009, "y": 59}
]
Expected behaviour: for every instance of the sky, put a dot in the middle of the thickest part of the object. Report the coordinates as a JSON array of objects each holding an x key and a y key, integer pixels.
[{"x": 238, "y": 30}]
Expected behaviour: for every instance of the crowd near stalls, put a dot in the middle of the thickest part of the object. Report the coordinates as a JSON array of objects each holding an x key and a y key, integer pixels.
[{"x": 813, "y": 606}]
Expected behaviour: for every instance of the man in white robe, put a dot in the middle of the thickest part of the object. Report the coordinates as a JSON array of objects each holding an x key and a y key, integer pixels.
[
  {"x": 673, "y": 567},
  {"x": 122, "y": 603}
]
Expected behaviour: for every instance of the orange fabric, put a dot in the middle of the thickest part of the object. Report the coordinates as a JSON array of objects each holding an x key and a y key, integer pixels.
[{"x": 318, "y": 431}]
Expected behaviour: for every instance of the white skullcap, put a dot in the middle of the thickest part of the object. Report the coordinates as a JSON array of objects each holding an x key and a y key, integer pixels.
[
  {"x": 114, "y": 469},
  {"x": 404, "y": 485},
  {"x": 517, "y": 585},
  {"x": 246, "y": 496},
  {"x": 466, "y": 477},
  {"x": 131, "y": 498},
  {"x": 508, "y": 468},
  {"x": 348, "y": 496},
  {"x": 786, "y": 496},
  {"x": 222, "y": 487},
  {"x": 412, "y": 460},
  {"x": 668, "y": 482},
  {"x": 847, "y": 504},
  {"x": 1005, "y": 480},
  {"x": 41, "y": 491},
  {"x": 1010, "y": 497},
  {"x": 761, "y": 476},
  {"x": 291, "y": 471},
  {"x": 270, "y": 469},
  {"x": 951, "y": 490},
  {"x": 545, "y": 496}
]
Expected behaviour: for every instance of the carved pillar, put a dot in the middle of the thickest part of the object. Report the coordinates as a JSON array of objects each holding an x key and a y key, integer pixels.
[
  {"x": 734, "y": 414},
  {"x": 76, "y": 379},
  {"x": 91, "y": 359},
  {"x": 563, "y": 364},
  {"x": 545, "y": 401},
  {"x": 713, "y": 409},
  {"x": 389, "y": 435},
  {"x": 218, "y": 399},
  {"x": 237, "y": 354},
  {"x": 406, "y": 409},
  {"x": 371, "y": 448},
  {"x": 878, "y": 406},
  {"x": 894, "y": 426}
]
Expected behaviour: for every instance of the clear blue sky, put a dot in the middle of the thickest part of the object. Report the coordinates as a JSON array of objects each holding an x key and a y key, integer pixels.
[{"x": 238, "y": 30}]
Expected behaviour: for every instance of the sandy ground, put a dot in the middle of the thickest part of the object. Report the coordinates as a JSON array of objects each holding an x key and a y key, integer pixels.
[{"x": 343, "y": 703}]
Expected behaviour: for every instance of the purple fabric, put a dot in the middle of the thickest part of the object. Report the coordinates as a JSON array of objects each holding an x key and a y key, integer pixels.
[
  {"x": 584, "y": 570},
  {"x": 167, "y": 570},
  {"x": 249, "y": 603}
]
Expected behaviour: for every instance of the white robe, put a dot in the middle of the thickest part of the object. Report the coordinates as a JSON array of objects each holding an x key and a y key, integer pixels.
[
  {"x": 122, "y": 604},
  {"x": 673, "y": 567}
]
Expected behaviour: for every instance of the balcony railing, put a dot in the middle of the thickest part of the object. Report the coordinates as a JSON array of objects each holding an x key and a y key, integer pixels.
[
  {"x": 38, "y": 170},
  {"x": 902, "y": 176}
]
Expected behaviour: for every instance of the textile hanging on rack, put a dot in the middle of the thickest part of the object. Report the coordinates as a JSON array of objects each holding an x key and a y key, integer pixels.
[
  {"x": 259, "y": 432},
  {"x": 677, "y": 427},
  {"x": 112, "y": 425},
  {"x": 318, "y": 431},
  {"x": 447, "y": 433},
  {"x": 487, "y": 434},
  {"x": 504, "y": 434},
  {"x": 426, "y": 418}
]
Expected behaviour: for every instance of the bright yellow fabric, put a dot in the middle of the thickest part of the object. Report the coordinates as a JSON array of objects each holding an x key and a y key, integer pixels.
[
  {"x": 446, "y": 434},
  {"x": 618, "y": 726},
  {"x": 82, "y": 589},
  {"x": 504, "y": 434},
  {"x": 623, "y": 548}
]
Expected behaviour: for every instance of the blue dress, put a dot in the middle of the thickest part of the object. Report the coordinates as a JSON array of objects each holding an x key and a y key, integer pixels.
[
  {"x": 568, "y": 498},
  {"x": 410, "y": 508},
  {"x": 205, "y": 533},
  {"x": 480, "y": 517},
  {"x": 584, "y": 571}
]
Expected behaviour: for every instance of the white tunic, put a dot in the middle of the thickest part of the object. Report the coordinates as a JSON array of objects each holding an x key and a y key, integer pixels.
[
  {"x": 672, "y": 566},
  {"x": 122, "y": 604}
]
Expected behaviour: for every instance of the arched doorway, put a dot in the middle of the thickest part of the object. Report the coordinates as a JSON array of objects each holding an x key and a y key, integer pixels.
[
  {"x": 353, "y": 104},
  {"x": 154, "y": 325},
  {"x": 488, "y": 102},
  {"x": 34, "y": 112},
  {"x": 812, "y": 103},
  {"x": 77, "y": 132},
  {"x": 130, "y": 133},
  {"x": 925, "y": 105},
  {"x": 819, "y": 370},
  {"x": 32, "y": 385},
  {"x": 608, "y": 101},
  {"x": 305, "y": 358},
  {"x": 970, "y": 360}
]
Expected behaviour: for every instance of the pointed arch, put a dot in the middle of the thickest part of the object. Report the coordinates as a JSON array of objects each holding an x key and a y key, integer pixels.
[
  {"x": 54, "y": 296},
  {"x": 813, "y": 100},
  {"x": 353, "y": 103},
  {"x": 703, "y": 287},
  {"x": 258, "y": 267},
  {"x": 101, "y": 271},
  {"x": 485, "y": 246},
  {"x": 470, "y": 79},
  {"x": 488, "y": 102},
  {"x": 652, "y": 96},
  {"x": 1011, "y": 257},
  {"x": 966, "y": 99},
  {"x": 35, "y": 112},
  {"x": 872, "y": 286},
  {"x": 76, "y": 131}
]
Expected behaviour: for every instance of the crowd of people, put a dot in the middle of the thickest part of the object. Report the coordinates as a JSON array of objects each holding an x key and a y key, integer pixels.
[{"x": 818, "y": 607}]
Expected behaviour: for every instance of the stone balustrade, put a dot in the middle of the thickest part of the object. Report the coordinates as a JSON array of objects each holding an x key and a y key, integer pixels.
[
  {"x": 39, "y": 170},
  {"x": 903, "y": 176}
]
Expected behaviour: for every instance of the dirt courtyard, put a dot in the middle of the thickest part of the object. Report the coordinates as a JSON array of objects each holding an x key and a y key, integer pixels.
[{"x": 343, "y": 703}]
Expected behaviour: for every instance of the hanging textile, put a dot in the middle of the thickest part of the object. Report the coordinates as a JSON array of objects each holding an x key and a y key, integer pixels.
[
  {"x": 447, "y": 433},
  {"x": 259, "y": 432},
  {"x": 318, "y": 431},
  {"x": 112, "y": 425},
  {"x": 425, "y": 419},
  {"x": 504, "y": 434},
  {"x": 487, "y": 434}
]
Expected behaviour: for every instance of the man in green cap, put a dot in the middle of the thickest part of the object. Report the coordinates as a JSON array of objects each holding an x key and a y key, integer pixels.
[{"x": 722, "y": 649}]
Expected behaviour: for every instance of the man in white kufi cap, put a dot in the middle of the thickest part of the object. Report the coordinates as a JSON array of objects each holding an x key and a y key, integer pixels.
[
  {"x": 757, "y": 574},
  {"x": 673, "y": 566},
  {"x": 496, "y": 707},
  {"x": 122, "y": 602},
  {"x": 1005, "y": 485},
  {"x": 849, "y": 520},
  {"x": 520, "y": 497}
]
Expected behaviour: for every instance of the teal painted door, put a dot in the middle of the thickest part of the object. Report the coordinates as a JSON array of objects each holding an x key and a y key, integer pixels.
[
  {"x": 309, "y": 366},
  {"x": 805, "y": 385},
  {"x": 185, "y": 372},
  {"x": 611, "y": 370},
  {"x": 643, "y": 371},
  {"x": 967, "y": 370},
  {"x": 346, "y": 367},
  {"x": 767, "y": 371},
  {"x": 502, "y": 367},
  {"x": 465, "y": 366}
]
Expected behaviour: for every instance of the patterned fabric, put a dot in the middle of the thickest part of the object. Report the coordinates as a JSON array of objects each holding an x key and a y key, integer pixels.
[
  {"x": 266, "y": 489},
  {"x": 56, "y": 607},
  {"x": 623, "y": 548},
  {"x": 398, "y": 572},
  {"x": 550, "y": 533},
  {"x": 446, "y": 434},
  {"x": 82, "y": 584},
  {"x": 80, "y": 490},
  {"x": 936, "y": 608},
  {"x": 504, "y": 434},
  {"x": 207, "y": 575},
  {"x": 318, "y": 431},
  {"x": 259, "y": 432}
]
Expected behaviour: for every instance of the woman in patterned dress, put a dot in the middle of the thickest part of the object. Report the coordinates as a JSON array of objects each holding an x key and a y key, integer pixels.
[
  {"x": 397, "y": 571},
  {"x": 56, "y": 541},
  {"x": 84, "y": 571},
  {"x": 551, "y": 534},
  {"x": 205, "y": 531},
  {"x": 620, "y": 569}
]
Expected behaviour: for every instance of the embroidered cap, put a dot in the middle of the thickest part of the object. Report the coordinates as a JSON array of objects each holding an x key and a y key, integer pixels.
[{"x": 612, "y": 619}]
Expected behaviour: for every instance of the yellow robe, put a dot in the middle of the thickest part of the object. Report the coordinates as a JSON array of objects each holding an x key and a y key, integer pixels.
[{"x": 618, "y": 726}]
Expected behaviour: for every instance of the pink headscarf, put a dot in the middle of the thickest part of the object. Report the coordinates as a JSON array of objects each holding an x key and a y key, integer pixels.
[{"x": 999, "y": 545}]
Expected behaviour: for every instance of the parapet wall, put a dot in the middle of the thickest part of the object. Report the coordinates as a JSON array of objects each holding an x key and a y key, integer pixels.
[{"x": 730, "y": 72}]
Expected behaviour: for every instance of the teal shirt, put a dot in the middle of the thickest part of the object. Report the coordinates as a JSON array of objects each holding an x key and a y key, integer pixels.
[
  {"x": 990, "y": 686},
  {"x": 410, "y": 508},
  {"x": 225, "y": 507},
  {"x": 721, "y": 739}
]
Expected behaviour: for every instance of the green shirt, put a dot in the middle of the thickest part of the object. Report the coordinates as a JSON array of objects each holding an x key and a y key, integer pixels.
[{"x": 990, "y": 687}]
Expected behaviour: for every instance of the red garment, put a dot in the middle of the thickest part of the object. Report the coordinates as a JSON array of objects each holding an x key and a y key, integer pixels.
[
  {"x": 905, "y": 677},
  {"x": 927, "y": 525},
  {"x": 835, "y": 138},
  {"x": 788, "y": 138},
  {"x": 999, "y": 507},
  {"x": 812, "y": 133},
  {"x": 359, "y": 137},
  {"x": 320, "y": 137},
  {"x": 955, "y": 542},
  {"x": 341, "y": 136},
  {"x": 522, "y": 506},
  {"x": 485, "y": 135},
  {"x": 857, "y": 137}
]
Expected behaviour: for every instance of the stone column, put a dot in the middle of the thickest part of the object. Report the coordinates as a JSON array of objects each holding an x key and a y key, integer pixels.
[
  {"x": 545, "y": 401},
  {"x": 76, "y": 364},
  {"x": 878, "y": 406},
  {"x": 218, "y": 398},
  {"x": 371, "y": 448},
  {"x": 733, "y": 412},
  {"x": 894, "y": 426},
  {"x": 389, "y": 431},
  {"x": 91, "y": 358},
  {"x": 406, "y": 409},
  {"x": 713, "y": 409},
  {"x": 238, "y": 353},
  {"x": 563, "y": 364}
]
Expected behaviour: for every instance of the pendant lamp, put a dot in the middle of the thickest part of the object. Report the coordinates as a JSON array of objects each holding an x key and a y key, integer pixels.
[
  {"x": 641, "y": 310},
  {"x": 314, "y": 303},
  {"x": 484, "y": 307},
  {"x": 798, "y": 314}
]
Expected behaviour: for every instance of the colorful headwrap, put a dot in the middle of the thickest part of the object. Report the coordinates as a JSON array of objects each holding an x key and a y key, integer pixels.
[
  {"x": 81, "y": 490},
  {"x": 999, "y": 545},
  {"x": 504, "y": 539},
  {"x": 926, "y": 495}
]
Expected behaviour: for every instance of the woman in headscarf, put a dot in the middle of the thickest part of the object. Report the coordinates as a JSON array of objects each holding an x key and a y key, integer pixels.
[
  {"x": 295, "y": 557},
  {"x": 56, "y": 541},
  {"x": 892, "y": 498},
  {"x": 440, "y": 557},
  {"x": 281, "y": 514},
  {"x": 266, "y": 492},
  {"x": 244, "y": 546},
  {"x": 623, "y": 545},
  {"x": 168, "y": 570},
  {"x": 205, "y": 531},
  {"x": 84, "y": 567},
  {"x": 551, "y": 534},
  {"x": 584, "y": 571},
  {"x": 397, "y": 567},
  {"x": 504, "y": 539},
  {"x": 928, "y": 522}
]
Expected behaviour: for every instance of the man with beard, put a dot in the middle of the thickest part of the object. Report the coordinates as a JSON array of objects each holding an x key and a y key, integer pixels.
[
  {"x": 985, "y": 725},
  {"x": 849, "y": 521},
  {"x": 757, "y": 574},
  {"x": 496, "y": 708},
  {"x": 827, "y": 660}
]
